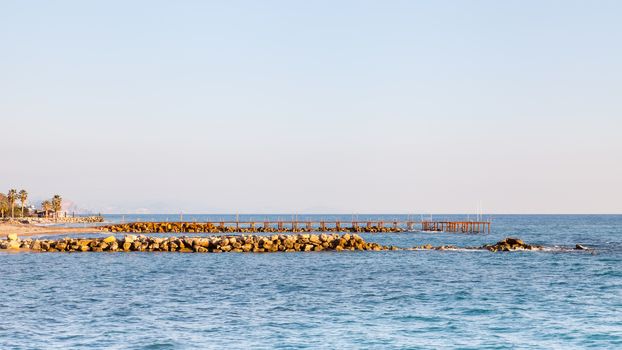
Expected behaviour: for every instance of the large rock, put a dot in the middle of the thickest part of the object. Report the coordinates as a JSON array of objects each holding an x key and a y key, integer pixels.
[
  {"x": 36, "y": 245},
  {"x": 510, "y": 244},
  {"x": 12, "y": 237},
  {"x": 13, "y": 245}
]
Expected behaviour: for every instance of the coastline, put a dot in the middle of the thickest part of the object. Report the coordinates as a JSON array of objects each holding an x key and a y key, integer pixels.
[
  {"x": 53, "y": 221},
  {"x": 35, "y": 230}
]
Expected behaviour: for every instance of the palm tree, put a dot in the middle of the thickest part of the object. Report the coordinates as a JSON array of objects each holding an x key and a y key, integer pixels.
[
  {"x": 4, "y": 204},
  {"x": 46, "y": 205},
  {"x": 11, "y": 197},
  {"x": 57, "y": 202},
  {"x": 23, "y": 196}
]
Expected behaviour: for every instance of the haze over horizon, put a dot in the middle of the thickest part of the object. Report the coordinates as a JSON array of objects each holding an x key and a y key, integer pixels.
[{"x": 285, "y": 107}]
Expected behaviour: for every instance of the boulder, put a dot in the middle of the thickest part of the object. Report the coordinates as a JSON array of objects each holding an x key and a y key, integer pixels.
[
  {"x": 510, "y": 244},
  {"x": 12, "y": 237},
  {"x": 13, "y": 245}
]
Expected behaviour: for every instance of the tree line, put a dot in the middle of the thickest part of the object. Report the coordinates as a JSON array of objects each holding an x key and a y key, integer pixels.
[{"x": 8, "y": 202}]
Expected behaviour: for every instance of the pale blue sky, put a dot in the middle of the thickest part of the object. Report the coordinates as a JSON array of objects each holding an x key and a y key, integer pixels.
[{"x": 314, "y": 106}]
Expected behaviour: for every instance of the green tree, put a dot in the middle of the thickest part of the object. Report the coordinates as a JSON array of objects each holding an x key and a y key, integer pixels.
[
  {"x": 11, "y": 196},
  {"x": 46, "y": 205},
  {"x": 57, "y": 204},
  {"x": 23, "y": 196},
  {"x": 4, "y": 204}
]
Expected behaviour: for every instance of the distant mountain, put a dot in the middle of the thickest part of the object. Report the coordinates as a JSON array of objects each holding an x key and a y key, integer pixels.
[{"x": 71, "y": 207}]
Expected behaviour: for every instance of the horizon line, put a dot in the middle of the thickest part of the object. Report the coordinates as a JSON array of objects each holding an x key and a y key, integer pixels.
[{"x": 344, "y": 214}]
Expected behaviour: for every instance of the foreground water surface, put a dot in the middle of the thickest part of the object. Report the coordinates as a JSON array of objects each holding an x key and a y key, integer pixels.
[{"x": 390, "y": 299}]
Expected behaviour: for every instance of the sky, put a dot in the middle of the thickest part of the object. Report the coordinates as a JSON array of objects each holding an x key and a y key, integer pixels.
[{"x": 314, "y": 106}]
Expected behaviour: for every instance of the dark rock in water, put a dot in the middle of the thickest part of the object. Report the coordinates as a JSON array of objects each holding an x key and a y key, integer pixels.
[
  {"x": 580, "y": 247},
  {"x": 513, "y": 241},
  {"x": 510, "y": 244}
]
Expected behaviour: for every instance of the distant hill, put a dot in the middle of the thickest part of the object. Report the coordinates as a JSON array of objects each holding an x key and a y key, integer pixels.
[{"x": 68, "y": 205}]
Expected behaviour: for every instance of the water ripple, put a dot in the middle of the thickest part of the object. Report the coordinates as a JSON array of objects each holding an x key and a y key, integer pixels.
[{"x": 404, "y": 299}]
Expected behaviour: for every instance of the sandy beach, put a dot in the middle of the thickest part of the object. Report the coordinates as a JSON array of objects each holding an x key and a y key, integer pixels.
[{"x": 34, "y": 230}]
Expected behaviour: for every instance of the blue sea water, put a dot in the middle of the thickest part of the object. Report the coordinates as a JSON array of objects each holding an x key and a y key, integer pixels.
[{"x": 384, "y": 300}]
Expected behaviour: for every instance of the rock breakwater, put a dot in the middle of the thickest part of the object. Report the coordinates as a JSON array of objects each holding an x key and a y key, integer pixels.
[
  {"x": 208, "y": 227},
  {"x": 239, "y": 244},
  {"x": 80, "y": 219},
  {"x": 216, "y": 244}
]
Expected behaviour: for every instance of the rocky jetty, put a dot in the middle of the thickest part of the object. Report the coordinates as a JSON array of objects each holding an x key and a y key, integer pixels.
[
  {"x": 208, "y": 227},
  {"x": 215, "y": 244},
  {"x": 237, "y": 243},
  {"x": 511, "y": 244},
  {"x": 81, "y": 219}
]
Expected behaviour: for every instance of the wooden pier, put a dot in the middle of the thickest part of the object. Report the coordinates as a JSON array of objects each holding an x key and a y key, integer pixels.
[
  {"x": 466, "y": 227},
  {"x": 456, "y": 226}
]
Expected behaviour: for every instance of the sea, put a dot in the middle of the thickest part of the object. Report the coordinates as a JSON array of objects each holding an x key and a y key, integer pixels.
[{"x": 554, "y": 299}]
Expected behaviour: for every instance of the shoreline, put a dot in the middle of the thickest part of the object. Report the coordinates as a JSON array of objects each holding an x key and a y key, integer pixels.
[
  {"x": 53, "y": 221},
  {"x": 34, "y": 230}
]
